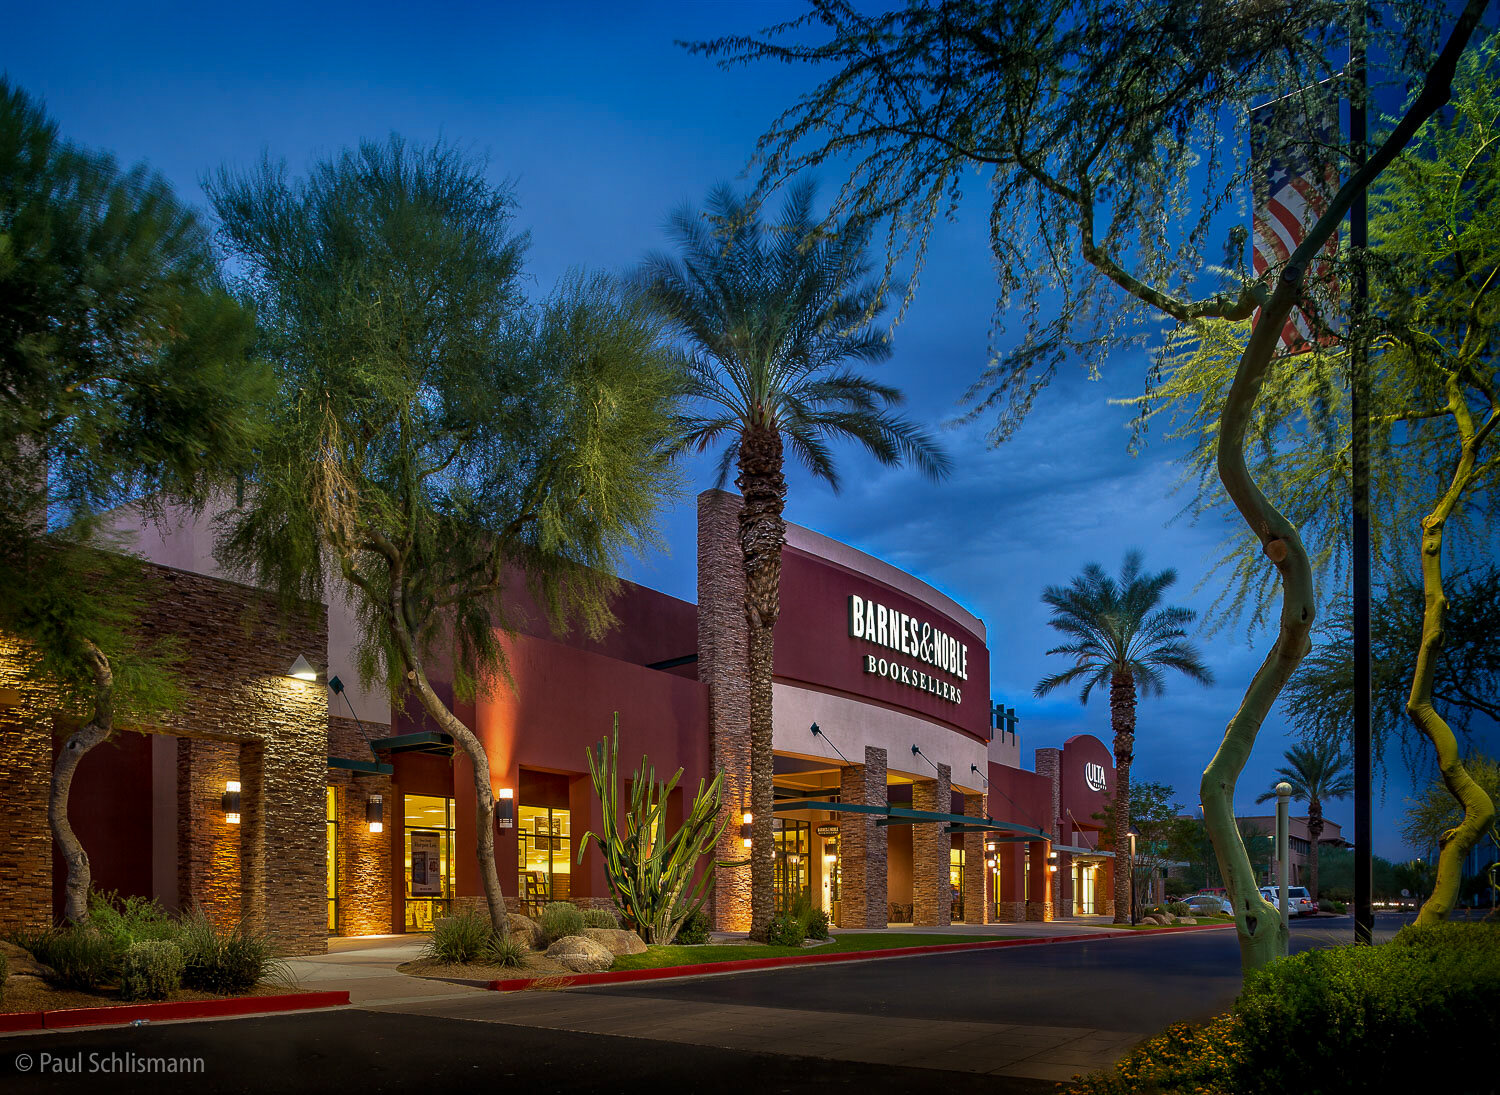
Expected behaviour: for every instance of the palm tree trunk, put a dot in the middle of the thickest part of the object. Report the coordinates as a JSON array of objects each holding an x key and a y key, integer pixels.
[
  {"x": 762, "y": 533},
  {"x": 96, "y": 730},
  {"x": 1479, "y": 811},
  {"x": 1122, "y": 720},
  {"x": 1314, "y": 835}
]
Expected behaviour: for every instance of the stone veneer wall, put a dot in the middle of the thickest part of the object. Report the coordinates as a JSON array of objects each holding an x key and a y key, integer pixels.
[
  {"x": 25, "y": 775},
  {"x": 364, "y": 858},
  {"x": 932, "y": 903},
  {"x": 241, "y": 718},
  {"x": 1049, "y": 765},
  {"x": 862, "y": 844},
  {"x": 723, "y": 663}
]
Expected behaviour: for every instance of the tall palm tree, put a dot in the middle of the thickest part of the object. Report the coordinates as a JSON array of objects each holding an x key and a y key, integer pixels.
[
  {"x": 1118, "y": 635},
  {"x": 773, "y": 317},
  {"x": 1315, "y": 772}
]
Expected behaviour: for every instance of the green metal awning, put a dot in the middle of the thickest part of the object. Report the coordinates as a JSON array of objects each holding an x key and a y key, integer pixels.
[
  {"x": 423, "y": 741},
  {"x": 901, "y": 815},
  {"x": 363, "y": 767}
]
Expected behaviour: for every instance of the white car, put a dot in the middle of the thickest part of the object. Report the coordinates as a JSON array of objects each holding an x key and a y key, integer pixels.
[
  {"x": 1208, "y": 903},
  {"x": 1299, "y": 901}
]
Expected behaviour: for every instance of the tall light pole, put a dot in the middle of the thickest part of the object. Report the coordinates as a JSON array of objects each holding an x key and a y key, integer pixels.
[{"x": 1134, "y": 832}]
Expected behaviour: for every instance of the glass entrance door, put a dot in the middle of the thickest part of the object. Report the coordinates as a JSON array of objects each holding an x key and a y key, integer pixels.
[
  {"x": 545, "y": 838},
  {"x": 428, "y": 820},
  {"x": 793, "y": 878}
]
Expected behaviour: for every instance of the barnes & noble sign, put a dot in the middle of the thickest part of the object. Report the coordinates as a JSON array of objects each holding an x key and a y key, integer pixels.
[{"x": 916, "y": 639}]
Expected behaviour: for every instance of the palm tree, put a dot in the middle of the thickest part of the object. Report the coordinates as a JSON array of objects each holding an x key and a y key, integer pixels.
[
  {"x": 1315, "y": 772},
  {"x": 773, "y": 316},
  {"x": 1118, "y": 635}
]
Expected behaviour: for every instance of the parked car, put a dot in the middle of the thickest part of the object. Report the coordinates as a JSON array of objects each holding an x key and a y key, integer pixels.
[
  {"x": 1301, "y": 901},
  {"x": 1208, "y": 903}
]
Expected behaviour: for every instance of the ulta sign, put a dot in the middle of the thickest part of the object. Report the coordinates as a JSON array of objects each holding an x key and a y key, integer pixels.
[{"x": 905, "y": 634}]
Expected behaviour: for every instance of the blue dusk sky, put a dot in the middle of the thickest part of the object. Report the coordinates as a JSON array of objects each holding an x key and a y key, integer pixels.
[{"x": 604, "y": 126}]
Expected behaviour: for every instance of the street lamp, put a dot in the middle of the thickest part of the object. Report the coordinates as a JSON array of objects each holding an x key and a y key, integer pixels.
[{"x": 1133, "y": 833}]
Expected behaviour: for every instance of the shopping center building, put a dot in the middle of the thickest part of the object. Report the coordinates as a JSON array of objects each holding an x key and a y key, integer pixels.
[{"x": 306, "y": 805}]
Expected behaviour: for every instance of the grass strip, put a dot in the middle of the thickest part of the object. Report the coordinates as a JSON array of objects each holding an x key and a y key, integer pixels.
[{"x": 659, "y": 957}]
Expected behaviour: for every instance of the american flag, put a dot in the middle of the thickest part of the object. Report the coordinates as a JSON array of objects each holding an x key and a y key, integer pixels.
[{"x": 1293, "y": 144}]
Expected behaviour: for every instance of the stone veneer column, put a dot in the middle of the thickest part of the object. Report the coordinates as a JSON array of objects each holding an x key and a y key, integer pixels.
[
  {"x": 932, "y": 902},
  {"x": 862, "y": 844},
  {"x": 1049, "y": 894},
  {"x": 976, "y": 876},
  {"x": 723, "y": 665}
]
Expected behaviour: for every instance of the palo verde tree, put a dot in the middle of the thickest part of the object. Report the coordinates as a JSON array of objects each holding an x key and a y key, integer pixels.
[
  {"x": 1466, "y": 681},
  {"x": 438, "y": 439},
  {"x": 1098, "y": 130},
  {"x": 1119, "y": 635},
  {"x": 124, "y": 377},
  {"x": 1315, "y": 772},
  {"x": 1434, "y": 378},
  {"x": 775, "y": 318}
]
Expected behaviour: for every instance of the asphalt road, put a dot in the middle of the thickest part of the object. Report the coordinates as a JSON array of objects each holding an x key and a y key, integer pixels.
[
  {"x": 1127, "y": 985},
  {"x": 1140, "y": 984}
]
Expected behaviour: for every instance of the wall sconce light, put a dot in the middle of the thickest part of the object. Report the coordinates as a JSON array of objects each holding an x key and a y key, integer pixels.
[
  {"x": 990, "y": 862},
  {"x": 302, "y": 669},
  {"x": 375, "y": 813},
  {"x": 745, "y": 828},
  {"x": 505, "y": 809},
  {"x": 794, "y": 859},
  {"x": 991, "y": 846},
  {"x": 231, "y": 801}
]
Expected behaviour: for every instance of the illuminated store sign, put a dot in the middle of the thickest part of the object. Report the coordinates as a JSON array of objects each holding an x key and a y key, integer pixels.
[
  {"x": 915, "y": 638},
  {"x": 1093, "y": 775}
]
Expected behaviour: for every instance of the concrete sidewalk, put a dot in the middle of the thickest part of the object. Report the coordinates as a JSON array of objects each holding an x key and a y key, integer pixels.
[{"x": 366, "y": 967}]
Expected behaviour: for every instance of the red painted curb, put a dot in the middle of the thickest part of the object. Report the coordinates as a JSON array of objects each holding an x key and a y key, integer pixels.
[
  {"x": 66, "y": 1018},
  {"x": 615, "y": 977}
]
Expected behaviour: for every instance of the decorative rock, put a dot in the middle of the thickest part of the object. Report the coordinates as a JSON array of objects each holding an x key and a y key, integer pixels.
[
  {"x": 1187, "y": 920},
  {"x": 618, "y": 940},
  {"x": 525, "y": 931},
  {"x": 21, "y": 963},
  {"x": 581, "y": 954}
]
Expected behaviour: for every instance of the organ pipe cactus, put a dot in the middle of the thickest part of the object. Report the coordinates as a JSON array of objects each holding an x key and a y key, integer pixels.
[{"x": 651, "y": 873}]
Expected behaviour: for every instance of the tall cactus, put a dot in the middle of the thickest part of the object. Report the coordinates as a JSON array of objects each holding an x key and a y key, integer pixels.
[{"x": 651, "y": 873}]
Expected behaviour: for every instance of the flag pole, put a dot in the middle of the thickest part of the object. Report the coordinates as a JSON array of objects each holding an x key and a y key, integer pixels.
[{"x": 1359, "y": 412}]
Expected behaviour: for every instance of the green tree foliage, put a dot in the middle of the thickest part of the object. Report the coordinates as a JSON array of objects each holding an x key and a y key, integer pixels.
[
  {"x": 437, "y": 438},
  {"x": 1162, "y": 832},
  {"x": 1434, "y": 376},
  {"x": 774, "y": 317},
  {"x": 124, "y": 377},
  {"x": 1119, "y": 636},
  {"x": 1466, "y": 679},
  {"x": 1315, "y": 772},
  {"x": 1085, "y": 117}
]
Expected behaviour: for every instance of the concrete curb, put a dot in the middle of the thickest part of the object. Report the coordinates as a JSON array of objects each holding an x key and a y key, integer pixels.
[
  {"x": 114, "y": 1014},
  {"x": 616, "y": 977}
]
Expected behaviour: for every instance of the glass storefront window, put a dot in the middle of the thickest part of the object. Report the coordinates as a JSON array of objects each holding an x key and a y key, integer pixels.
[
  {"x": 428, "y": 820},
  {"x": 331, "y": 823},
  {"x": 956, "y": 882},
  {"x": 544, "y": 845}
]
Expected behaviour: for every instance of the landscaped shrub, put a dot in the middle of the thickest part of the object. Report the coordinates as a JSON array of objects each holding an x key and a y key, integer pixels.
[
  {"x": 1328, "y": 905},
  {"x": 229, "y": 961},
  {"x": 558, "y": 919},
  {"x": 785, "y": 930},
  {"x": 1184, "y": 1059},
  {"x": 817, "y": 925},
  {"x": 150, "y": 970},
  {"x": 80, "y": 957},
  {"x": 1180, "y": 908},
  {"x": 127, "y": 920},
  {"x": 506, "y": 952},
  {"x": 460, "y": 938},
  {"x": 694, "y": 929},
  {"x": 600, "y": 918},
  {"x": 1371, "y": 1018}
]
